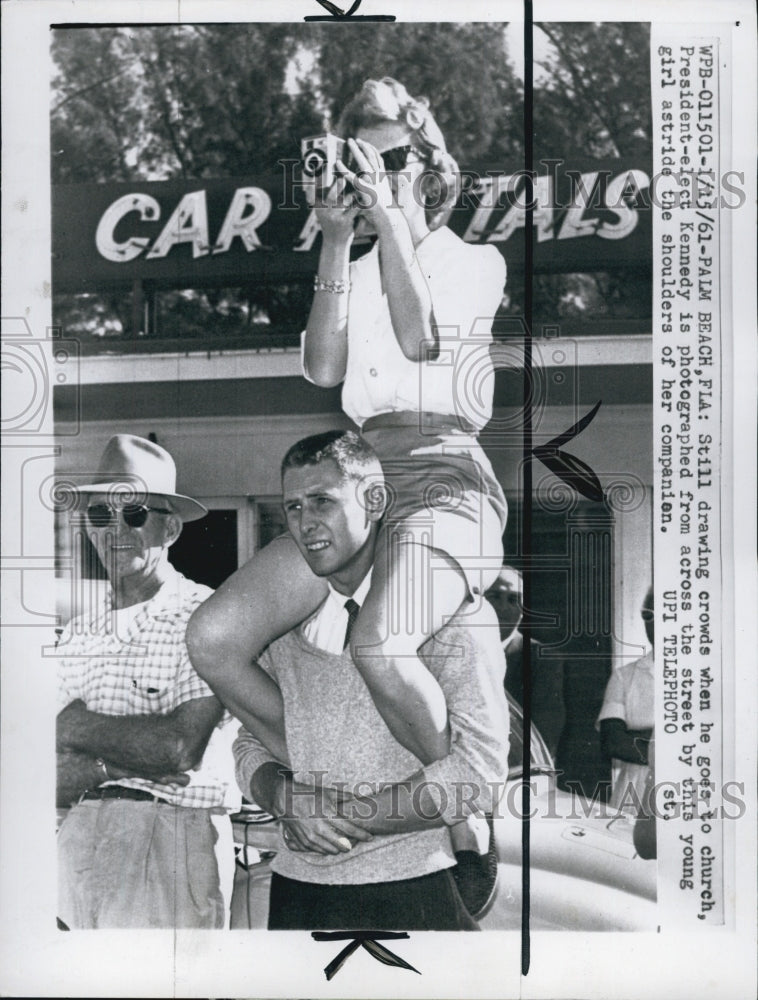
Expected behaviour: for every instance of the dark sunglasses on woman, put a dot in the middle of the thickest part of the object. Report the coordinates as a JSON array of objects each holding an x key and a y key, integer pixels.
[{"x": 397, "y": 158}]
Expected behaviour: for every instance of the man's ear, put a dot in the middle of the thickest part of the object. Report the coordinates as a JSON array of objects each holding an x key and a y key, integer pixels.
[
  {"x": 173, "y": 528},
  {"x": 376, "y": 498}
]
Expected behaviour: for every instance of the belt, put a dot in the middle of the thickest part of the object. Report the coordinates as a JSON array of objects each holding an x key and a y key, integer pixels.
[
  {"x": 121, "y": 792},
  {"x": 423, "y": 420}
]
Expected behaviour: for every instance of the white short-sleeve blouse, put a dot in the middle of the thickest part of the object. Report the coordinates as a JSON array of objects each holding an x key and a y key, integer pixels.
[{"x": 466, "y": 283}]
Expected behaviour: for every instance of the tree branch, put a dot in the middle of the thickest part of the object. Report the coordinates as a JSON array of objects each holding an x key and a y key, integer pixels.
[
  {"x": 579, "y": 84},
  {"x": 91, "y": 86}
]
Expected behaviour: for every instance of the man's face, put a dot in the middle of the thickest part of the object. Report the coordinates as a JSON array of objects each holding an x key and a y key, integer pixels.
[
  {"x": 328, "y": 519},
  {"x": 130, "y": 555},
  {"x": 505, "y": 597}
]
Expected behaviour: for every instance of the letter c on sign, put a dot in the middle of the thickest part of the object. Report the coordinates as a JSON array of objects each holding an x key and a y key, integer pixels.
[{"x": 149, "y": 210}]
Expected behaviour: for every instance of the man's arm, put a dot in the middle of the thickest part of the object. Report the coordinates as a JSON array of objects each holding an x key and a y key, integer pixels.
[
  {"x": 467, "y": 660},
  {"x": 149, "y": 745},
  {"x": 319, "y": 819},
  {"x": 471, "y": 777},
  {"x": 403, "y": 807},
  {"x": 309, "y": 815},
  {"x": 77, "y": 773},
  {"x": 616, "y": 739},
  {"x": 624, "y": 744}
]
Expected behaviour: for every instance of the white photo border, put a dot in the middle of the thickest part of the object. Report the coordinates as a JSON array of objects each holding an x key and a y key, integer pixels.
[{"x": 38, "y": 960}]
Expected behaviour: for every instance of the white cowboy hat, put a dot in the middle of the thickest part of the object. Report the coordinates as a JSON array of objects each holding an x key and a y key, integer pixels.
[{"x": 137, "y": 467}]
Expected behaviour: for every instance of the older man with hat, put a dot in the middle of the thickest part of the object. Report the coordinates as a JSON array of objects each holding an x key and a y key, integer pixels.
[{"x": 143, "y": 745}]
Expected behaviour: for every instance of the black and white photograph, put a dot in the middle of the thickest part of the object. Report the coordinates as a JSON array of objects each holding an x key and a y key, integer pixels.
[{"x": 340, "y": 619}]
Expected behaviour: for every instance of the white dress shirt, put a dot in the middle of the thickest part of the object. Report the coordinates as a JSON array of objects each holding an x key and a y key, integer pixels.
[{"x": 326, "y": 628}]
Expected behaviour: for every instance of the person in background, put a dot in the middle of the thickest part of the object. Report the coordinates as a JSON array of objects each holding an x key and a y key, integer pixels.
[
  {"x": 379, "y": 854},
  {"x": 143, "y": 746},
  {"x": 548, "y": 709},
  {"x": 626, "y": 722}
]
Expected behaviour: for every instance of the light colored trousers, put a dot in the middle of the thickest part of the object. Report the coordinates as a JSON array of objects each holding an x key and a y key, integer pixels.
[{"x": 123, "y": 863}]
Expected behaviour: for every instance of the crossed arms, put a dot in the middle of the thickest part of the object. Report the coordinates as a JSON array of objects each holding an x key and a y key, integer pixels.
[{"x": 158, "y": 747}]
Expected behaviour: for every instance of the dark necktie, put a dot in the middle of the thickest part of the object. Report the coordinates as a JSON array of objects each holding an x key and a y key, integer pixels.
[{"x": 352, "y": 609}]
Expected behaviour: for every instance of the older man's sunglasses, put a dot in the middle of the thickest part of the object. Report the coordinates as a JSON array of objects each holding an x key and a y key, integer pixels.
[{"x": 101, "y": 515}]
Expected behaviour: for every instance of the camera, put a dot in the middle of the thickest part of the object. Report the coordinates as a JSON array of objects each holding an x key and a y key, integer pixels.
[{"x": 318, "y": 155}]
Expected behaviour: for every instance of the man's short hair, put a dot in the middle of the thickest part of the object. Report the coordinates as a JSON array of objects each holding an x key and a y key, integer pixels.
[{"x": 353, "y": 456}]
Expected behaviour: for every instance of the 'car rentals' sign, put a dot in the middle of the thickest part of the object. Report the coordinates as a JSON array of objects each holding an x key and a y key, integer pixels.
[{"x": 587, "y": 216}]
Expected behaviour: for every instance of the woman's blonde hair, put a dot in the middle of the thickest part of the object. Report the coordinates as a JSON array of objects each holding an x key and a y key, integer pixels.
[{"x": 386, "y": 100}]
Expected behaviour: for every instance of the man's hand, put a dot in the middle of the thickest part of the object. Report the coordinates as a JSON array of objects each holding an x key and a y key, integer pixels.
[
  {"x": 312, "y": 819},
  {"x": 182, "y": 779}
]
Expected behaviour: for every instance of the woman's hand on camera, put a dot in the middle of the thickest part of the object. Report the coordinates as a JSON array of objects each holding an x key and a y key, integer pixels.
[
  {"x": 337, "y": 211},
  {"x": 368, "y": 179}
]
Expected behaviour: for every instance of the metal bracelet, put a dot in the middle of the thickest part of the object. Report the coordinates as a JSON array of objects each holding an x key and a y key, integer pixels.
[{"x": 337, "y": 287}]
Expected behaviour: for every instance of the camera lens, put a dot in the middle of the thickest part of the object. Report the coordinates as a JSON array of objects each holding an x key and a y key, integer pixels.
[{"x": 314, "y": 162}]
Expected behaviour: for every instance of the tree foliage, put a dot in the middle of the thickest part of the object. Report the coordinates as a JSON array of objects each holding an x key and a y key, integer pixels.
[
  {"x": 595, "y": 93},
  {"x": 205, "y": 100},
  {"x": 167, "y": 102},
  {"x": 593, "y": 100}
]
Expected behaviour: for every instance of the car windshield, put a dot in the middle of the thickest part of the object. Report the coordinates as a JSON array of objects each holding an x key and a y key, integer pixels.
[{"x": 540, "y": 760}]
